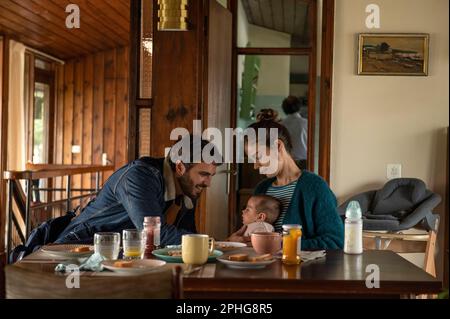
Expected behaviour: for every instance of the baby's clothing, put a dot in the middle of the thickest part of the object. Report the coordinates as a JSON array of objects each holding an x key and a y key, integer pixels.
[{"x": 258, "y": 227}]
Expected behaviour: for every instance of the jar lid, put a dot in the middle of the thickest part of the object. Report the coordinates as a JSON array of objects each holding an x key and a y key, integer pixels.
[{"x": 292, "y": 226}]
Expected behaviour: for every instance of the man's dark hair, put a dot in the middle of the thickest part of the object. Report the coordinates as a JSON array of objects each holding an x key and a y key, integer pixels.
[
  {"x": 291, "y": 104},
  {"x": 196, "y": 143}
]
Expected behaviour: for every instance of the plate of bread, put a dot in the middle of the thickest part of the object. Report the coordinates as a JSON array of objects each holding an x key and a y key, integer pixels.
[
  {"x": 246, "y": 261},
  {"x": 137, "y": 266},
  {"x": 69, "y": 251},
  {"x": 229, "y": 245}
]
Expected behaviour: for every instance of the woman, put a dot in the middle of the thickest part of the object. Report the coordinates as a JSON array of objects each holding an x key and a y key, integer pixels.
[{"x": 306, "y": 198}]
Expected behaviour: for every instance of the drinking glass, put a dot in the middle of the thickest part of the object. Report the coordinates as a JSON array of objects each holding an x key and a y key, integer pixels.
[
  {"x": 107, "y": 245},
  {"x": 133, "y": 244}
]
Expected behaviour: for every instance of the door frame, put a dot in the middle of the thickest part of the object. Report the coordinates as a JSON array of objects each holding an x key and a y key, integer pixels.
[
  {"x": 4, "y": 55},
  {"x": 325, "y": 95}
]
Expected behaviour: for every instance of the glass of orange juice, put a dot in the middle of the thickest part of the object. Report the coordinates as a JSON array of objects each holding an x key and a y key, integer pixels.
[
  {"x": 292, "y": 239},
  {"x": 133, "y": 244}
]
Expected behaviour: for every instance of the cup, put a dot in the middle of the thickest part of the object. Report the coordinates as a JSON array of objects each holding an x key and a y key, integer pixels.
[
  {"x": 133, "y": 244},
  {"x": 107, "y": 245},
  {"x": 266, "y": 242},
  {"x": 196, "y": 248}
]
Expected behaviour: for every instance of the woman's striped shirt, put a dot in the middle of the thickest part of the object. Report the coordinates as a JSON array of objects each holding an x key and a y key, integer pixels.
[{"x": 284, "y": 195}]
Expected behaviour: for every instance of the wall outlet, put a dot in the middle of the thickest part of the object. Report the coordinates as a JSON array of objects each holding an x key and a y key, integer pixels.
[
  {"x": 76, "y": 149},
  {"x": 394, "y": 171},
  {"x": 105, "y": 159}
]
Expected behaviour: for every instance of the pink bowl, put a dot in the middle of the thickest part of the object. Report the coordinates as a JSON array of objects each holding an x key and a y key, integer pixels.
[{"x": 266, "y": 243}]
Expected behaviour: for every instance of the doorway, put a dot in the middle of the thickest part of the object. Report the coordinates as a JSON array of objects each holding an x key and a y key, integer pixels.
[{"x": 278, "y": 52}]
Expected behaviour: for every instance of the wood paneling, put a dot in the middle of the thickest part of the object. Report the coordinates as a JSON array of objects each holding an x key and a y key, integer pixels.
[
  {"x": 109, "y": 104},
  {"x": 177, "y": 89},
  {"x": 104, "y": 24},
  {"x": 93, "y": 107}
]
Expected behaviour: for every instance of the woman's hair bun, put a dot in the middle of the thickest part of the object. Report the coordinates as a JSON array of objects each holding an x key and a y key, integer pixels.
[{"x": 267, "y": 115}]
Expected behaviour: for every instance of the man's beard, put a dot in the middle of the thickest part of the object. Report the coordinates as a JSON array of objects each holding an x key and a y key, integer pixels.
[{"x": 188, "y": 187}]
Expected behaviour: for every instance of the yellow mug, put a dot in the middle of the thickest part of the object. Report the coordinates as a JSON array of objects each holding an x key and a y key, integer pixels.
[{"x": 196, "y": 248}]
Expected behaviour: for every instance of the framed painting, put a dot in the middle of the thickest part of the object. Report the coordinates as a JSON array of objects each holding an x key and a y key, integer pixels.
[{"x": 393, "y": 54}]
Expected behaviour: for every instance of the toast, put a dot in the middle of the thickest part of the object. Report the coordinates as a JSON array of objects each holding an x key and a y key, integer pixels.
[
  {"x": 123, "y": 264},
  {"x": 264, "y": 257},
  {"x": 80, "y": 249},
  {"x": 174, "y": 253},
  {"x": 238, "y": 257}
]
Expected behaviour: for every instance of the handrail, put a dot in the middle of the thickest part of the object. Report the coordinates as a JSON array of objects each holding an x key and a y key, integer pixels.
[
  {"x": 48, "y": 171},
  {"x": 44, "y": 171}
]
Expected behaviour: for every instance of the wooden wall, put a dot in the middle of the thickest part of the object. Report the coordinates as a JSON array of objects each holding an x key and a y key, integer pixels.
[{"x": 92, "y": 111}]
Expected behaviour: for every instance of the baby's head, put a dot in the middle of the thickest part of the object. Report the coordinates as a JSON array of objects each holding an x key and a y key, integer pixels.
[{"x": 261, "y": 208}]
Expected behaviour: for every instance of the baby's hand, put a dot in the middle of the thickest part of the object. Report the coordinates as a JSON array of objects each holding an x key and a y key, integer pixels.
[{"x": 239, "y": 236}]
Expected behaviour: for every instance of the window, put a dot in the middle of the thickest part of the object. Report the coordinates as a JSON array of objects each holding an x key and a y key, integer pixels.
[
  {"x": 39, "y": 101},
  {"x": 41, "y": 123}
]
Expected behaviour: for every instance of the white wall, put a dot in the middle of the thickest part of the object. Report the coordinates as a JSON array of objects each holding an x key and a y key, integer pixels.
[
  {"x": 242, "y": 40},
  {"x": 380, "y": 119}
]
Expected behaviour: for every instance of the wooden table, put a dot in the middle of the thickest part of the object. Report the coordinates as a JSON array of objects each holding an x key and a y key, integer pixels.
[{"x": 336, "y": 275}]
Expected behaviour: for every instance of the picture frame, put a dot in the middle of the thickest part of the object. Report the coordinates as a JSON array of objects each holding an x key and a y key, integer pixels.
[{"x": 393, "y": 54}]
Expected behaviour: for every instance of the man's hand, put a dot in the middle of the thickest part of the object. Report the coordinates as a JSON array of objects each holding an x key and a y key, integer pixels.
[{"x": 239, "y": 236}]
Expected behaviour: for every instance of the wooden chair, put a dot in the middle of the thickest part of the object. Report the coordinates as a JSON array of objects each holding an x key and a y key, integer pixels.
[
  {"x": 2, "y": 274},
  {"x": 413, "y": 241},
  {"x": 23, "y": 282}
]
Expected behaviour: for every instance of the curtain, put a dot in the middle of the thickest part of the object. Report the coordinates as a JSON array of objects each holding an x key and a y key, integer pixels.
[{"x": 16, "y": 156}]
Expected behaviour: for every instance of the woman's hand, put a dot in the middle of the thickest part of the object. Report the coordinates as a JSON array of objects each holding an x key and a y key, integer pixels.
[{"x": 239, "y": 236}]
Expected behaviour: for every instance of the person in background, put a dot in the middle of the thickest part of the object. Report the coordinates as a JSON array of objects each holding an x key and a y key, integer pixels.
[
  {"x": 297, "y": 127},
  {"x": 147, "y": 187}
]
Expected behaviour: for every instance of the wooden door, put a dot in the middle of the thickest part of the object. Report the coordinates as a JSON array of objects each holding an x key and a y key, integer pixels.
[{"x": 217, "y": 110}]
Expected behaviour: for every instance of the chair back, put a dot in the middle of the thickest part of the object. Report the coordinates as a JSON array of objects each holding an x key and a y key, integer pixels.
[
  {"x": 32, "y": 283},
  {"x": 400, "y": 196}
]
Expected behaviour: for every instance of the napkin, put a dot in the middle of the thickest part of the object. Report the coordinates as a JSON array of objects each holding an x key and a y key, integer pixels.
[
  {"x": 93, "y": 263},
  {"x": 311, "y": 255}
]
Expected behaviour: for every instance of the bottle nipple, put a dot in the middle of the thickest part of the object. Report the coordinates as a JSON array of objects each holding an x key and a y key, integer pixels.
[{"x": 353, "y": 210}]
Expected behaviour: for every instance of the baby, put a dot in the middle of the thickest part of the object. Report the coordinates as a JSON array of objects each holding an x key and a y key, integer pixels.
[{"x": 261, "y": 212}]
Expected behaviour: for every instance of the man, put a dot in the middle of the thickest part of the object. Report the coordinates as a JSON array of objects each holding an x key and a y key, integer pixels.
[
  {"x": 297, "y": 127},
  {"x": 148, "y": 187}
]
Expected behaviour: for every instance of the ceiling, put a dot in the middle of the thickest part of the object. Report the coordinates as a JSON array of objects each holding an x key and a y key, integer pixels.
[
  {"x": 288, "y": 16},
  {"x": 40, "y": 24}
]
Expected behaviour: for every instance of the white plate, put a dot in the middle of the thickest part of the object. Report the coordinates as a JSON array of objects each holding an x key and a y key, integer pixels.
[
  {"x": 245, "y": 264},
  {"x": 65, "y": 251},
  {"x": 228, "y": 245},
  {"x": 139, "y": 266}
]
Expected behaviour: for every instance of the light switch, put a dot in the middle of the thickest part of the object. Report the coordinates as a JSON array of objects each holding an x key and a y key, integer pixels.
[{"x": 394, "y": 171}]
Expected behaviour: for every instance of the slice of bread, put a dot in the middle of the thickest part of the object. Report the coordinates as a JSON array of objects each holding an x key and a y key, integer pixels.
[
  {"x": 80, "y": 249},
  {"x": 238, "y": 257},
  {"x": 264, "y": 257},
  {"x": 123, "y": 264}
]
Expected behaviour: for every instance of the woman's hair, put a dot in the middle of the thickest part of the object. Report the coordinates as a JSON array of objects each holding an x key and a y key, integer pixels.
[{"x": 268, "y": 119}]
